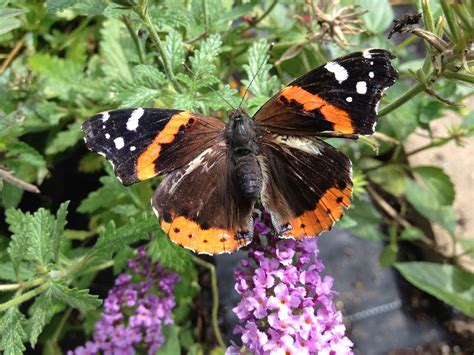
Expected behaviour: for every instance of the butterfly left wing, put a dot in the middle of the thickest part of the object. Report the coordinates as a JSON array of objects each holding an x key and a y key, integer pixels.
[
  {"x": 199, "y": 206},
  {"x": 142, "y": 143},
  {"x": 337, "y": 99},
  {"x": 306, "y": 185}
]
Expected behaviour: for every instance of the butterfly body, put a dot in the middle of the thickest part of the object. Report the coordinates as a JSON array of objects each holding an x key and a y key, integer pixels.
[{"x": 216, "y": 173}]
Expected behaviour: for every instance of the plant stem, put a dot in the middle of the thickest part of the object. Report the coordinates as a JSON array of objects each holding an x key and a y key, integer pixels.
[
  {"x": 459, "y": 76},
  {"x": 135, "y": 39},
  {"x": 23, "y": 297},
  {"x": 265, "y": 14},
  {"x": 60, "y": 326},
  {"x": 12, "y": 55},
  {"x": 406, "y": 43},
  {"x": 453, "y": 26},
  {"x": 415, "y": 90},
  {"x": 434, "y": 143},
  {"x": 206, "y": 17},
  {"x": 215, "y": 297},
  {"x": 25, "y": 285},
  {"x": 159, "y": 45}
]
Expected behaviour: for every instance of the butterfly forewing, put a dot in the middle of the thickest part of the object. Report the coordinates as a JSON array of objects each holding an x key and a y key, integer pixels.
[
  {"x": 340, "y": 97},
  {"x": 144, "y": 142}
]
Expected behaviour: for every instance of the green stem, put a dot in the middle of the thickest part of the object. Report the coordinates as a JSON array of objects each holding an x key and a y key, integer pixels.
[
  {"x": 415, "y": 90},
  {"x": 59, "y": 328},
  {"x": 405, "y": 43},
  {"x": 159, "y": 45},
  {"x": 24, "y": 285},
  {"x": 136, "y": 40},
  {"x": 464, "y": 15},
  {"x": 428, "y": 16},
  {"x": 453, "y": 26},
  {"x": 23, "y": 297},
  {"x": 435, "y": 143},
  {"x": 468, "y": 78},
  {"x": 206, "y": 17},
  {"x": 215, "y": 297},
  {"x": 266, "y": 13}
]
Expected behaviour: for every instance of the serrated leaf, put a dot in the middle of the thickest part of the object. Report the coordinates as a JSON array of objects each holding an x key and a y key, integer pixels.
[
  {"x": 59, "y": 5},
  {"x": 445, "y": 282},
  {"x": 174, "y": 49},
  {"x": 39, "y": 231},
  {"x": 7, "y": 272},
  {"x": 74, "y": 297},
  {"x": 203, "y": 58},
  {"x": 40, "y": 315},
  {"x": 58, "y": 229},
  {"x": 264, "y": 84},
  {"x": 12, "y": 332},
  {"x": 18, "y": 224},
  {"x": 65, "y": 139},
  {"x": 117, "y": 65},
  {"x": 168, "y": 254},
  {"x": 26, "y": 153},
  {"x": 113, "y": 239},
  {"x": 8, "y": 20},
  {"x": 104, "y": 197}
]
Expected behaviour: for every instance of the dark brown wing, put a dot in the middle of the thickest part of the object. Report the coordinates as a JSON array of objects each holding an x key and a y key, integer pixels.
[
  {"x": 199, "y": 205},
  {"x": 340, "y": 97},
  {"x": 145, "y": 142},
  {"x": 307, "y": 184}
]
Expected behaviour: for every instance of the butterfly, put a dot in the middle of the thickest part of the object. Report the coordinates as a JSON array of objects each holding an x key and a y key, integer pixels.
[{"x": 216, "y": 172}]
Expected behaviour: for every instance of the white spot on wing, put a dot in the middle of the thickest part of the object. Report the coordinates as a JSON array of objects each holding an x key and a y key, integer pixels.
[
  {"x": 107, "y": 136},
  {"x": 105, "y": 116},
  {"x": 338, "y": 70},
  {"x": 361, "y": 87},
  {"x": 371, "y": 63},
  {"x": 119, "y": 143},
  {"x": 132, "y": 123},
  {"x": 101, "y": 153},
  {"x": 349, "y": 99},
  {"x": 366, "y": 54},
  {"x": 132, "y": 148},
  {"x": 371, "y": 74}
]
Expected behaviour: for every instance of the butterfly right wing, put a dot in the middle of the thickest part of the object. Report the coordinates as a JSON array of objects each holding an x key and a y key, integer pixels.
[{"x": 142, "y": 143}]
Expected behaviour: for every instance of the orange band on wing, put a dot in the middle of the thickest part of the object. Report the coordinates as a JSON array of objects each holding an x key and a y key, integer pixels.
[
  {"x": 145, "y": 167},
  {"x": 190, "y": 235},
  {"x": 329, "y": 209},
  {"x": 340, "y": 118}
]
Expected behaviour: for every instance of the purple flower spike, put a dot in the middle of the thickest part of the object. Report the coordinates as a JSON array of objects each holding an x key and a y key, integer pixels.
[
  {"x": 135, "y": 311},
  {"x": 286, "y": 307}
]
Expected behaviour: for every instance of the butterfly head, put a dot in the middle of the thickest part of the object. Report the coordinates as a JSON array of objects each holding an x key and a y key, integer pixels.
[{"x": 240, "y": 130}]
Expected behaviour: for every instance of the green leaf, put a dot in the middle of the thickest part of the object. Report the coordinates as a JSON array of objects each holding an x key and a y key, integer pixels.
[
  {"x": 203, "y": 58},
  {"x": 388, "y": 256},
  {"x": 445, "y": 282},
  {"x": 104, "y": 197},
  {"x": 367, "y": 219},
  {"x": 7, "y": 272},
  {"x": 168, "y": 254},
  {"x": 18, "y": 224},
  {"x": 38, "y": 231},
  {"x": 411, "y": 233},
  {"x": 114, "y": 239},
  {"x": 26, "y": 153},
  {"x": 379, "y": 16},
  {"x": 74, "y": 297},
  {"x": 437, "y": 182},
  {"x": 58, "y": 229},
  {"x": 425, "y": 202},
  {"x": 12, "y": 332},
  {"x": 41, "y": 314},
  {"x": 65, "y": 139},
  {"x": 264, "y": 84},
  {"x": 391, "y": 178},
  {"x": 174, "y": 49},
  {"x": 59, "y": 5},
  {"x": 171, "y": 345},
  {"x": 8, "y": 19}
]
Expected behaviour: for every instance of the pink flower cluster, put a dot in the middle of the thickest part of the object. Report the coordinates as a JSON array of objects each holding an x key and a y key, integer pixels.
[
  {"x": 136, "y": 309},
  {"x": 286, "y": 307}
]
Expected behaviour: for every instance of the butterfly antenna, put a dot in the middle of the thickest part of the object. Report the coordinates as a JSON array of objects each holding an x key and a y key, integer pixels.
[
  {"x": 209, "y": 87},
  {"x": 258, "y": 71}
]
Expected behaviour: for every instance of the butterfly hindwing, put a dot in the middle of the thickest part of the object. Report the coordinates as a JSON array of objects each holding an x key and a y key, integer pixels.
[
  {"x": 200, "y": 207},
  {"x": 141, "y": 143},
  {"x": 307, "y": 184},
  {"x": 339, "y": 98}
]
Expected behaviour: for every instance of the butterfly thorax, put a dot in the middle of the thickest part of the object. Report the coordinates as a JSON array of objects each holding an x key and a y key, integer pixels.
[{"x": 241, "y": 138}]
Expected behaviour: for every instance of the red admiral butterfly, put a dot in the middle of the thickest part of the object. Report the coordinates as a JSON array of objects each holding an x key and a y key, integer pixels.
[{"x": 217, "y": 172}]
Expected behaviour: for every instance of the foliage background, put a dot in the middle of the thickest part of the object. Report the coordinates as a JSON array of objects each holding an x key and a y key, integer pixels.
[{"x": 65, "y": 60}]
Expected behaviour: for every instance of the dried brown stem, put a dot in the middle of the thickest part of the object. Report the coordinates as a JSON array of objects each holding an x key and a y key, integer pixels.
[{"x": 7, "y": 176}]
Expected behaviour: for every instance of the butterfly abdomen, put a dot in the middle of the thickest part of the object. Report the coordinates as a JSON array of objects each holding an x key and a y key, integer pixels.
[{"x": 249, "y": 175}]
